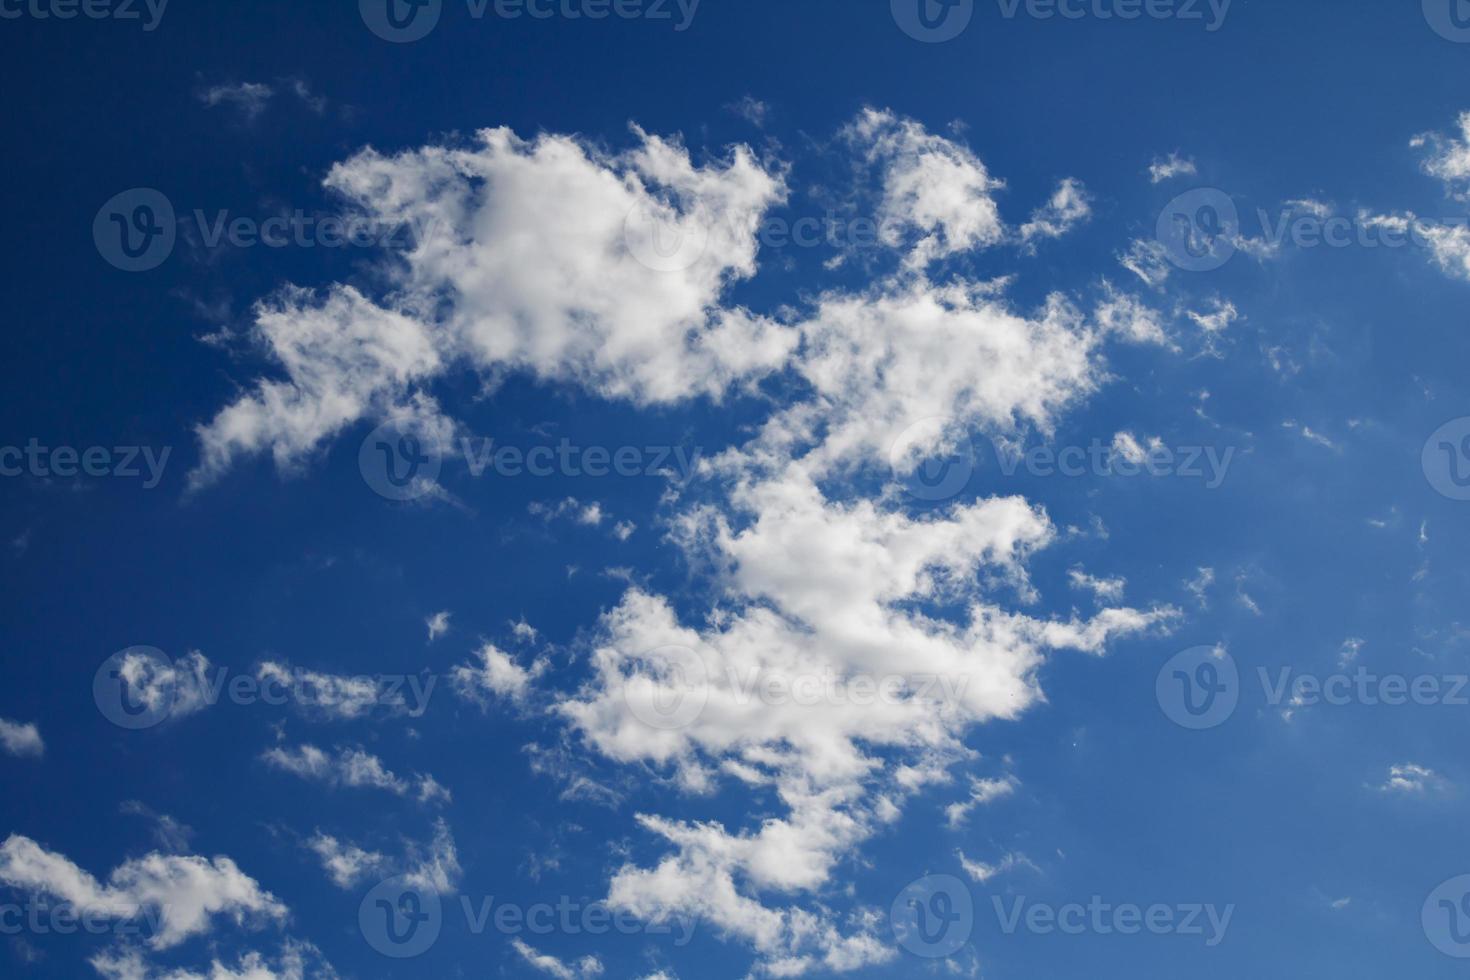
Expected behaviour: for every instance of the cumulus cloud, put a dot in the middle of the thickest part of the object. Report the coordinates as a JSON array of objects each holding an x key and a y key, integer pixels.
[
  {"x": 496, "y": 674},
  {"x": 550, "y": 256},
  {"x": 181, "y": 895},
  {"x": 937, "y": 194},
  {"x": 982, "y": 792},
  {"x": 438, "y": 625},
  {"x": 21, "y": 739}
]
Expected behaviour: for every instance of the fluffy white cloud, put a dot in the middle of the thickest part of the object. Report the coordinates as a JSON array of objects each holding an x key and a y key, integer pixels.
[
  {"x": 937, "y": 198},
  {"x": 583, "y": 969},
  {"x": 1448, "y": 158},
  {"x": 353, "y": 767},
  {"x": 1069, "y": 206},
  {"x": 345, "y": 863},
  {"x": 548, "y": 256},
  {"x": 21, "y": 739},
  {"x": 982, "y": 792},
  {"x": 181, "y": 894},
  {"x": 438, "y": 624},
  {"x": 497, "y": 674}
]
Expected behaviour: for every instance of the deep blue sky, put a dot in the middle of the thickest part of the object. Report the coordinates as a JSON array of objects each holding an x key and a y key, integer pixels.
[{"x": 1281, "y": 818}]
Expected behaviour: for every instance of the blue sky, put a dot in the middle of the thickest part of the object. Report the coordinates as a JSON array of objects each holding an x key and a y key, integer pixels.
[{"x": 432, "y": 468}]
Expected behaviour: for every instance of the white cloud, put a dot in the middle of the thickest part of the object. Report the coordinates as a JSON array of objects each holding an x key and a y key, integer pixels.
[
  {"x": 354, "y": 768},
  {"x": 583, "y": 969},
  {"x": 1147, "y": 258},
  {"x": 21, "y": 739},
  {"x": 1449, "y": 158},
  {"x": 1069, "y": 206},
  {"x": 345, "y": 863},
  {"x": 544, "y": 256},
  {"x": 933, "y": 188},
  {"x": 181, "y": 894},
  {"x": 250, "y": 98},
  {"x": 982, "y": 792},
  {"x": 1412, "y": 780},
  {"x": 296, "y": 961},
  {"x": 497, "y": 674},
  {"x": 1348, "y": 653},
  {"x": 1104, "y": 589},
  {"x": 438, "y": 625},
  {"x": 330, "y": 695},
  {"x": 1169, "y": 167},
  {"x": 982, "y": 872}
]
